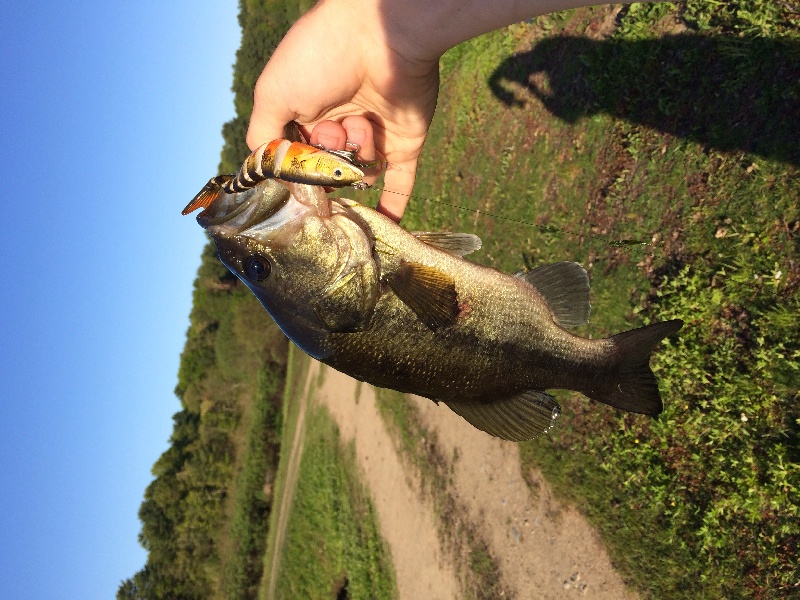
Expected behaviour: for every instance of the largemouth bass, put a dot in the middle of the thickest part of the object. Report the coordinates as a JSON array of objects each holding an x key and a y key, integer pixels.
[{"x": 407, "y": 311}]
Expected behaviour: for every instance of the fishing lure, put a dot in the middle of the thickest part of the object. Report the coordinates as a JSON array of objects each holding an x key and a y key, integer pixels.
[
  {"x": 289, "y": 161},
  {"x": 350, "y": 154}
]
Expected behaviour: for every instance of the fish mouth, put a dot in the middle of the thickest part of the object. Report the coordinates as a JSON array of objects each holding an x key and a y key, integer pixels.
[{"x": 240, "y": 211}]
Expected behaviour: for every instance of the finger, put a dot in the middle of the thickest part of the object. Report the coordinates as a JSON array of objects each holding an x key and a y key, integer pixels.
[
  {"x": 267, "y": 119},
  {"x": 360, "y": 132},
  {"x": 330, "y": 134},
  {"x": 398, "y": 184}
]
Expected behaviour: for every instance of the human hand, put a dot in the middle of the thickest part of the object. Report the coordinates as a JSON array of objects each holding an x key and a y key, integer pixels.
[{"x": 344, "y": 75}]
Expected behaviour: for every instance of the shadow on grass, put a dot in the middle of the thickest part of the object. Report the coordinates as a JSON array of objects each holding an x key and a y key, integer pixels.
[{"x": 726, "y": 93}]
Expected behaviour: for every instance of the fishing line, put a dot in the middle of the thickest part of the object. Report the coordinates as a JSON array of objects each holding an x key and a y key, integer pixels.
[{"x": 626, "y": 244}]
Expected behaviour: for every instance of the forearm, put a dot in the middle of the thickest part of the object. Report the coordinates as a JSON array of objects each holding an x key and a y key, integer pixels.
[
  {"x": 425, "y": 29},
  {"x": 377, "y": 61}
]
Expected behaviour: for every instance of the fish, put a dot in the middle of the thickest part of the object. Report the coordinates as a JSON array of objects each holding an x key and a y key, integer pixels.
[
  {"x": 407, "y": 311},
  {"x": 287, "y": 159}
]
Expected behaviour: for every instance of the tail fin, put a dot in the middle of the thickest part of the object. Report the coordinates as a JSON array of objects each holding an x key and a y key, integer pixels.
[
  {"x": 210, "y": 192},
  {"x": 636, "y": 389}
]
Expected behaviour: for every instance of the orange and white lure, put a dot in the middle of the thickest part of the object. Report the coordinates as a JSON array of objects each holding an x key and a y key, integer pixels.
[{"x": 286, "y": 160}]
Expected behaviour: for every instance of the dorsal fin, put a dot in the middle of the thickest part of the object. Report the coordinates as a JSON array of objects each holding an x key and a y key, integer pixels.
[
  {"x": 521, "y": 417},
  {"x": 460, "y": 244},
  {"x": 565, "y": 286},
  {"x": 429, "y": 292}
]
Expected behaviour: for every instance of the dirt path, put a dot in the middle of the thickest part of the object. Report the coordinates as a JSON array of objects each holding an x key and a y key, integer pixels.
[
  {"x": 292, "y": 469},
  {"x": 407, "y": 522},
  {"x": 544, "y": 549}
]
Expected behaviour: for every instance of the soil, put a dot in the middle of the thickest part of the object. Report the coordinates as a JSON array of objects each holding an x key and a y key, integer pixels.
[
  {"x": 407, "y": 522},
  {"x": 543, "y": 547}
]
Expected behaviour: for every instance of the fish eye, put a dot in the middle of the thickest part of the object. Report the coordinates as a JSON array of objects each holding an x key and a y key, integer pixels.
[
  {"x": 337, "y": 173},
  {"x": 257, "y": 268}
]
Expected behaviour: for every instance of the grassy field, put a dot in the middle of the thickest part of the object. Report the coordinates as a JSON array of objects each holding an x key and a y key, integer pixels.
[
  {"x": 332, "y": 536},
  {"x": 658, "y": 146},
  {"x": 252, "y": 500},
  {"x": 297, "y": 369}
]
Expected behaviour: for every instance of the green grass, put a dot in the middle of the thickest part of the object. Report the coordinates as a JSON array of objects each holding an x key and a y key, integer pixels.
[
  {"x": 252, "y": 505},
  {"x": 332, "y": 535},
  {"x": 297, "y": 370},
  {"x": 665, "y": 161},
  {"x": 401, "y": 417}
]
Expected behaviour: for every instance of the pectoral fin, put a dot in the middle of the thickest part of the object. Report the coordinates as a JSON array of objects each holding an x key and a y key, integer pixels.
[
  {"x": 429, "y": 292},
  {"x": 565, "y": 286},
  {"x": 459, "y": 244},
  {"x": 518, "y": 418}
]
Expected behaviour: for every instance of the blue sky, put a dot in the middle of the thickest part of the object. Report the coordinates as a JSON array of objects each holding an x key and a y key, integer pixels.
[{"x": 110, "y": 117}]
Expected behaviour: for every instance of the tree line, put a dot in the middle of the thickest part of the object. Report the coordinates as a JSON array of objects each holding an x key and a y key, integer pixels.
[{"x": 204, "y": 515}]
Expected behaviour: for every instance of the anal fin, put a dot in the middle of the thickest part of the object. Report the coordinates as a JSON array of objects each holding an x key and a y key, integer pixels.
[{"x": 521, "y": 417}]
